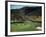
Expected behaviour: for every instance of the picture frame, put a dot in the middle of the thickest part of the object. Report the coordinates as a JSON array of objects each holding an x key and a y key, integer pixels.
[{"x": 8, "y": 5}]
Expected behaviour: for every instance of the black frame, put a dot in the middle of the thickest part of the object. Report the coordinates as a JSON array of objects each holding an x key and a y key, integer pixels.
[{"x": 6, "y": 18}]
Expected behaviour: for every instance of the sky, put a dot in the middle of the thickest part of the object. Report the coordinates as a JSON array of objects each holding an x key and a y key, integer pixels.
[{"x": 16, "y": 6}]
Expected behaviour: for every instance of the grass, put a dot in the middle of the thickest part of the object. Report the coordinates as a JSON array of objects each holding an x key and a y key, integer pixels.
[{"x": 26, "y": 26}]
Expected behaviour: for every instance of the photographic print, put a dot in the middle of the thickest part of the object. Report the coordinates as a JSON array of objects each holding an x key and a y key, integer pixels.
[{"x": 25, "y": 18}]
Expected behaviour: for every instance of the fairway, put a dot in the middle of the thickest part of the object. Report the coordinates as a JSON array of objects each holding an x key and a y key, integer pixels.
[{"x": 26, "y": 26}]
